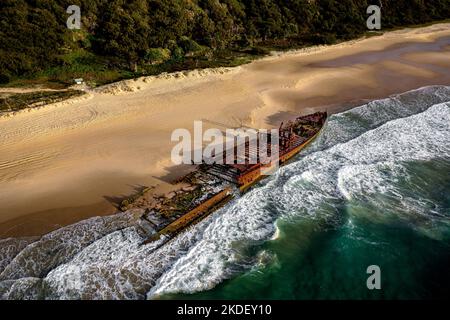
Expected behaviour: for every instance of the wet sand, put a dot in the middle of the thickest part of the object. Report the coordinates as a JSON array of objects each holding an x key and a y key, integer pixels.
[{"x": 72, "y": 160}]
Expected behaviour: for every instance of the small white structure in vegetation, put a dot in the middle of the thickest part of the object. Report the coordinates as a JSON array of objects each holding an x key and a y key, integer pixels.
[{"x": 78, "y": 81}]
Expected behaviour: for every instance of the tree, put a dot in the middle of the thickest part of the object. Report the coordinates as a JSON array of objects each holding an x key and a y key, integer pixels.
[{"x": 123, "y": 30}]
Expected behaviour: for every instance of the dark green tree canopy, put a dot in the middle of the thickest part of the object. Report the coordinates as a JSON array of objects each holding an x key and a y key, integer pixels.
[{"x": 33, "y": 33}]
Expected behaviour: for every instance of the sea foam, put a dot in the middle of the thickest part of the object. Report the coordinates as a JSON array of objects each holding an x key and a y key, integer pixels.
[{"x": 362, "y": 153}]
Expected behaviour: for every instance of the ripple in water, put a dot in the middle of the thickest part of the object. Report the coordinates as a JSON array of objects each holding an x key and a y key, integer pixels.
[{"x": 376, "y": 168}]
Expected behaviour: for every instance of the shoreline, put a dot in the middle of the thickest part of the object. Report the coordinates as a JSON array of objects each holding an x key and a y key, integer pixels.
[
  {"x": 121, "y": 86},
  {"x": 54, "y": 169}
]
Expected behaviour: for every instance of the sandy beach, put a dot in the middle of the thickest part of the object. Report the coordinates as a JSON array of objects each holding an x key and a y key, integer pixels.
[{"x": 72, "y": 160}]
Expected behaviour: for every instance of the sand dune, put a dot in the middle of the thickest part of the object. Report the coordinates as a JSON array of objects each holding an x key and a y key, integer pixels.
[
  {"x": 68, "y": 161},
  {"x": 159, "y": 84}
]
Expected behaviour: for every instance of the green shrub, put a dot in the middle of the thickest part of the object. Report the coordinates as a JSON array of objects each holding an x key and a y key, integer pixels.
[
  {"x": 189, "y": 45},
  {"x": 4, "y": 78},
  {"x": 178, "y": 54},
  {"x": 157, "y": 55}
]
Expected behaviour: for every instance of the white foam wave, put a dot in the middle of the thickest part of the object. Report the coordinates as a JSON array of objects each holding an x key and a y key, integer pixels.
[
  {"x": 344, "y": 164},
  {"x": 59, "y": 246},
  {"x": 302, "y": 188}
]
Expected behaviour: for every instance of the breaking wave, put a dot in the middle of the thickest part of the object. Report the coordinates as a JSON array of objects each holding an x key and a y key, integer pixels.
[{"x": 364, "y": 155}]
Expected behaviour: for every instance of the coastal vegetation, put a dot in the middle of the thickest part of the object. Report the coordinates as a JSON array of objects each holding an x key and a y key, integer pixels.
[
  {"x": 17, "y": 101},
  {"x": 122, "y": 39}
]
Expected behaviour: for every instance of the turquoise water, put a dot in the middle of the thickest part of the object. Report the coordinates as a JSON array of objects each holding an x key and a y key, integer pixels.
[
  {"x": 320, "y": 260},
  {"x": 373, "y": 189}
]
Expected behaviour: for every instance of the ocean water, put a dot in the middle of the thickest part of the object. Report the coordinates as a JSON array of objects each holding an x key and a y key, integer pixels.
[{"x": 373, "y": 189}]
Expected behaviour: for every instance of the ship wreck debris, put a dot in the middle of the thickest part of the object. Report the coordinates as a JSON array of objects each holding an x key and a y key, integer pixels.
[{"x": 211, "y": 186}]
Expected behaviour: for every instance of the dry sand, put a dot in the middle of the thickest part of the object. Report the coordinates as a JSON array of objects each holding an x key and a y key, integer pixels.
[{"x": 68, "y": 161}]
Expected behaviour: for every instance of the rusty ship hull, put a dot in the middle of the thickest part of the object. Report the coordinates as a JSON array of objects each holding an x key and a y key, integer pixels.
[
  {"x": 294, "y": 137},
  {"x": 247, "y": 180}
]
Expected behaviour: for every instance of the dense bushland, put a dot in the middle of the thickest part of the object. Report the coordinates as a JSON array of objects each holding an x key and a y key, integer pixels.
[{"x": 123, "y": 38}]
